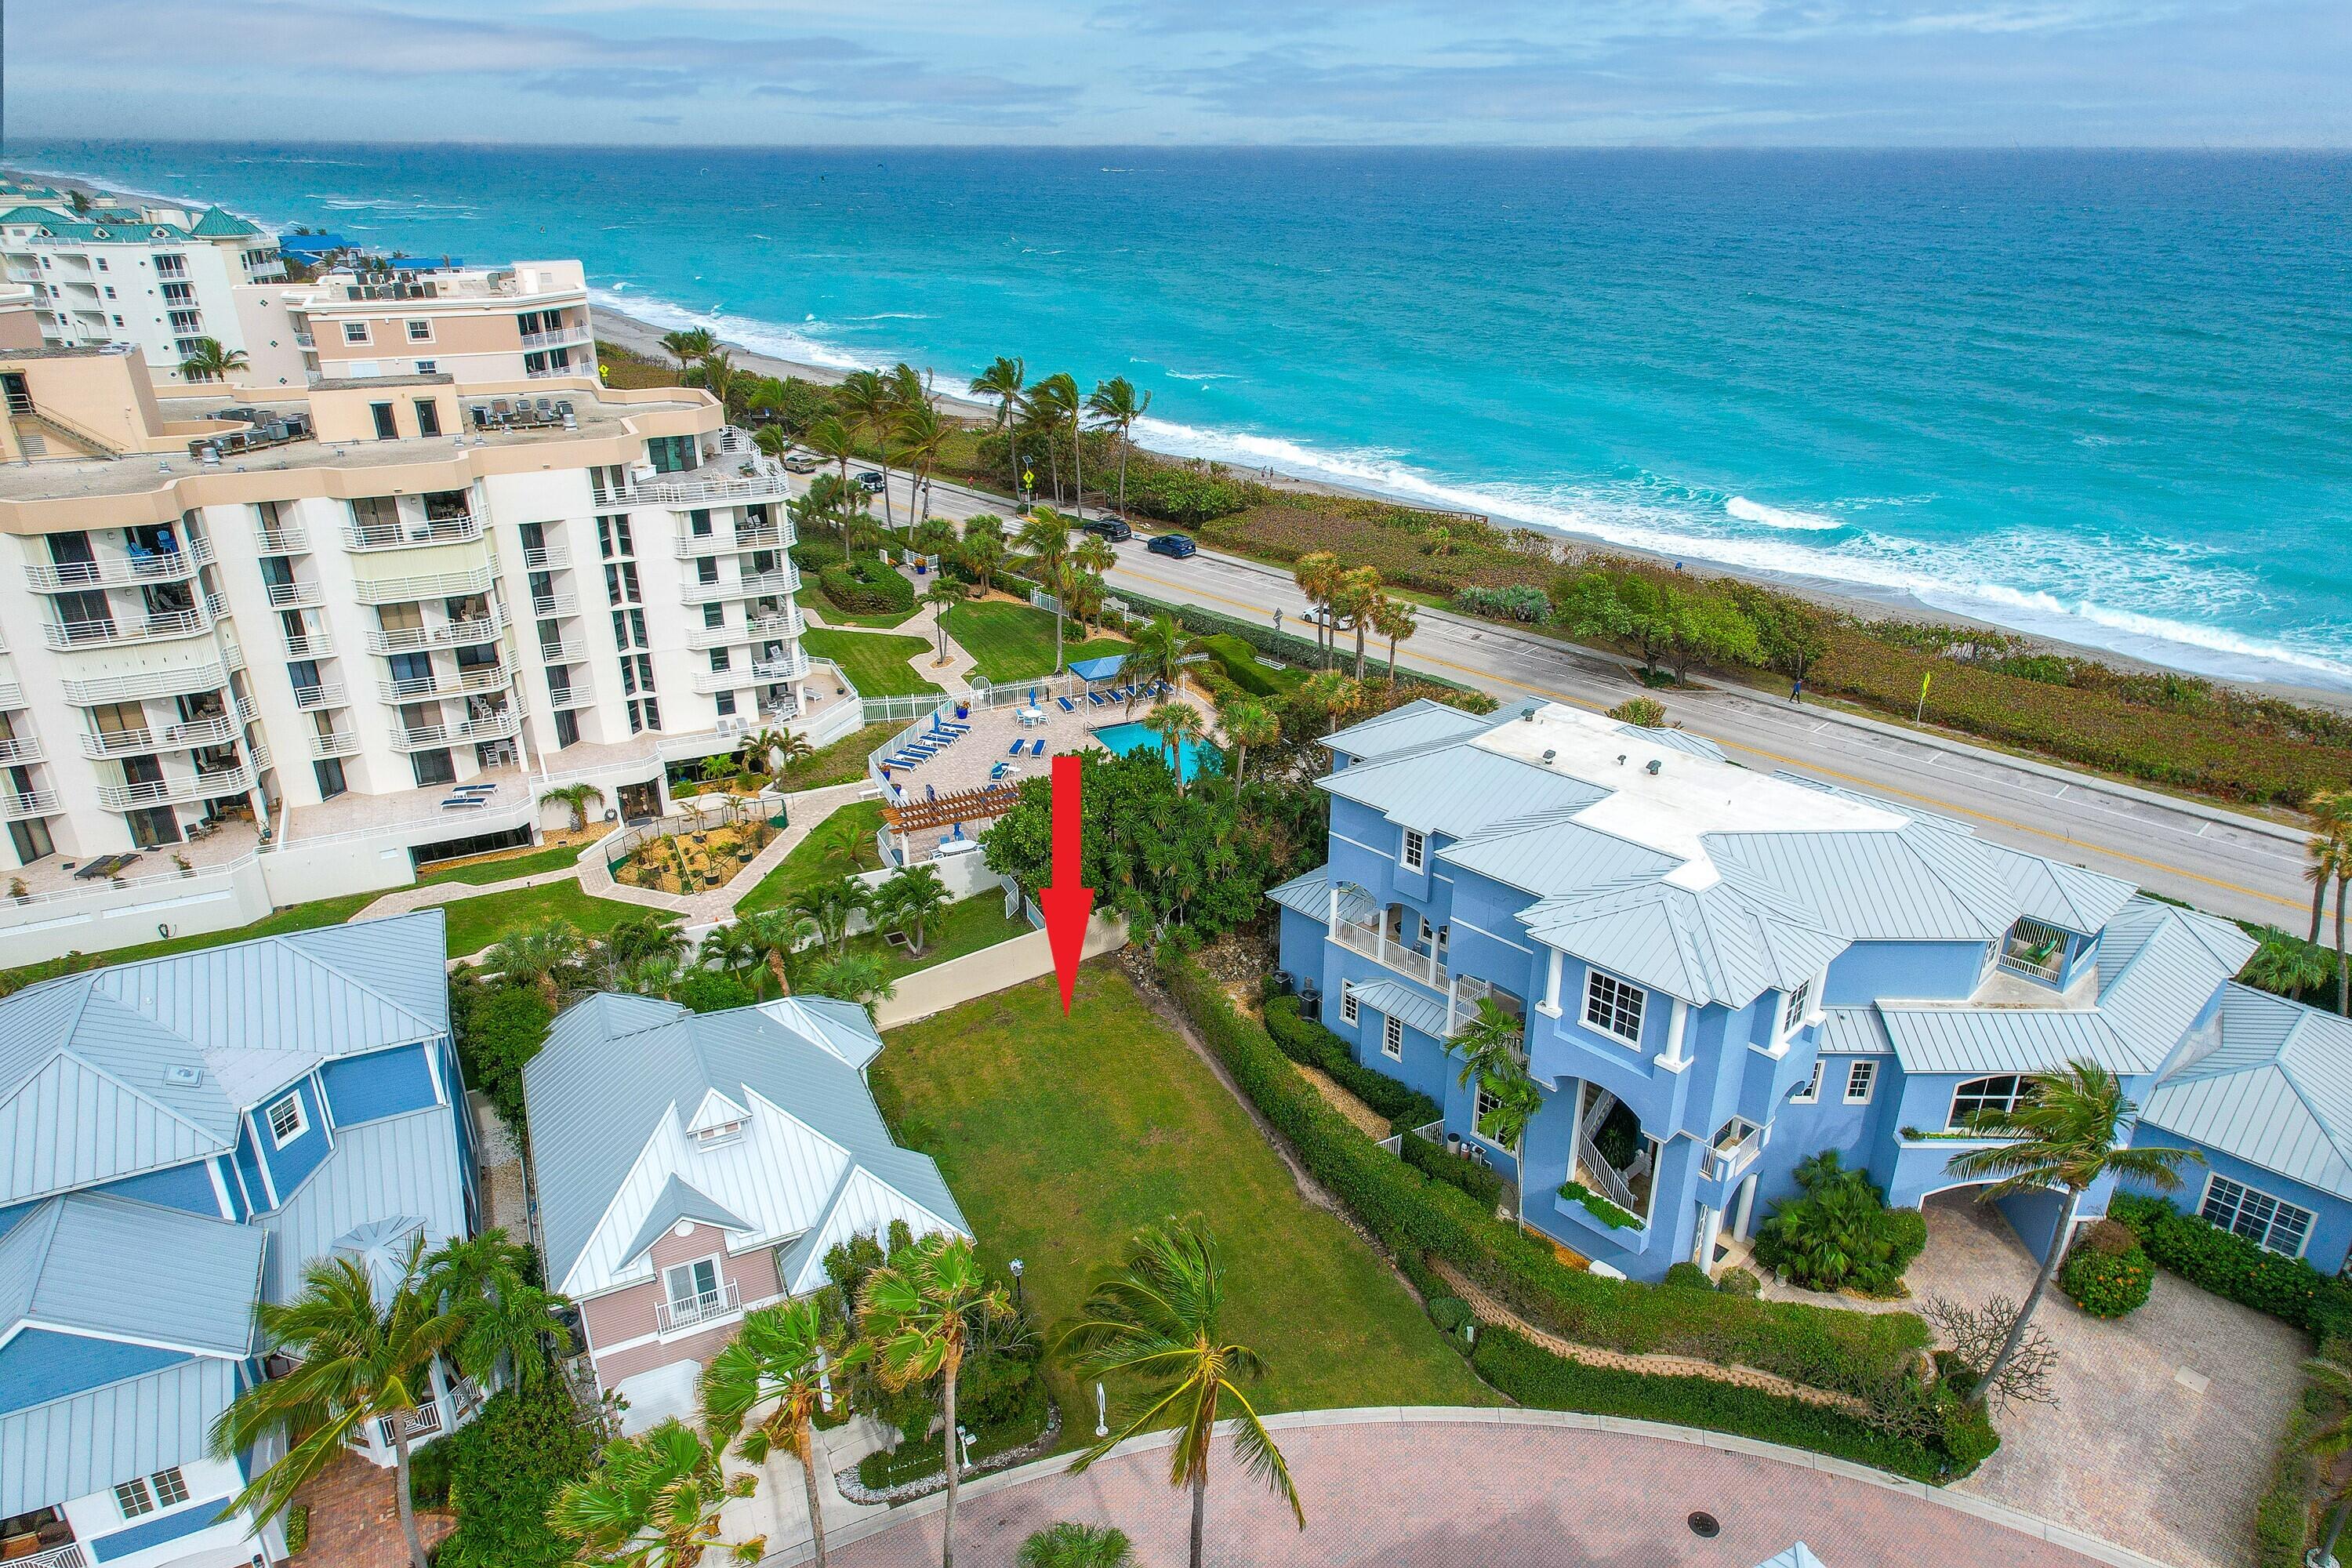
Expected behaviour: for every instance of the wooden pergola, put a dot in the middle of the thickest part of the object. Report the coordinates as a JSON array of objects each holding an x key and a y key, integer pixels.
[{"x": 947, "y": 810}]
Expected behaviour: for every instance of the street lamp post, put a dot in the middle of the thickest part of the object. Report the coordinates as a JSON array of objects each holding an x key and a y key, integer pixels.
[{"x": 1017, "y": 1300}]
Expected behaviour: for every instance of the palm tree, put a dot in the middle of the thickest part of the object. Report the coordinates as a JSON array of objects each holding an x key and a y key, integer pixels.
[
  {"x": 982, "y": 556},
  {"x": 1115, "y": 406},
  {"x": 1002, "y": 381},
  {"x": 2330, "y": 1442},
  {"x": 2067, "y": 1131},
  {"x": 729, "y": 949},
  {"x": 506, "y": 1323},
  {"x": 1247, "y": 723},
  {"x": 830, "y": 438},
  {"x": 775, "y": 935},
  {"x": 1393, "y": 619},
  {"x": 921, "y": 1312},
  {"x": 360, "y": 1356},
  {"x": 536, "y": 957},
  {"x": 832, "y": 907},
  {"x": 1331, "y": 692},
  {"x": 1040, "y": 424},
  {"x": 1493, "y": 1051},
  {"x": 780, "y": 1358},
  {"x": 943, "y": 592},
  {"x": 1070, "y": 1544},
  {"x": 1161, "y": 1322},
  {"x": 757, "y": 752},
  {"x": 859, "y": 977},
  {"x": 914, "y": 896},
  {"x": 1352, "y": 598},
  {"x": 921, "y": 433},
  {"x": 654, "y": 975},
  {"x": 1176, "y": 723},
  {"x": 1158, "y": 649},
  {"x": 210, "y": 360},
  {"x": 872, "y": 406},
  {"x": 653, "y": 1501},
  {"x": 577, "y": 798},
  {"x": 2286, "y": 966},
  {"x": 1315, "y": 572},
  {"x": 693, "y": 343},
  {"x": 2330, "y": 851},
  {"x": 1046, "y": 538},
  {"x": 1057, "y": 397}
]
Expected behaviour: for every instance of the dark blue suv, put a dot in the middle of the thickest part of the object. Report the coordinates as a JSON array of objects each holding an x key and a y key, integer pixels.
[{"x": 1178, "y": 545}]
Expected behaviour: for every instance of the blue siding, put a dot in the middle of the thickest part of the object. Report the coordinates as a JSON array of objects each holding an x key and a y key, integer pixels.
[
  {"x": 1908, "y": 971},
  {"x": 381, "y": 1084},
  {"x": 290, "y": 1165},
  {"x": 37, "y": 1365},
  {"x": 157, "y": 1531},
  {"x": 2331, "y": 1227},
  {"x": 248, "y": 1164},
  {"x": 14, "y": 1212},
  {"x": 188, "y": 1188}
]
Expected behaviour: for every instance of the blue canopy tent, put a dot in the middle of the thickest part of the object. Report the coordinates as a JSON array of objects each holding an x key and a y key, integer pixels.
[{"x": 1091, "y": 670}]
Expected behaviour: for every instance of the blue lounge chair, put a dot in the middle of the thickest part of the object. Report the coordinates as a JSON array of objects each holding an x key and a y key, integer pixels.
[
  {"x": 1095, "y": 699},
  {"x": 930, "y": 792},
  {"x": 1068, "y": 706},
  {"x": 1016, "y": 748},
  {"x": 1037, "y": 748},
  {"x": 999, "y": 769}
]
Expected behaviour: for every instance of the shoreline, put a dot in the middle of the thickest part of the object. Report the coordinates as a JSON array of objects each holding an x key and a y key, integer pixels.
[{"x": 631, "y": 333}]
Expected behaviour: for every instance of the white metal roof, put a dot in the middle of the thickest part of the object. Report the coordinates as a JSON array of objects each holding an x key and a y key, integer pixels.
[
  {"x": 1415, "y": 724},
  {"x": 86, "y": 1442},
  {"x": 401, "y": 1167},
  {"x": 1397, "y": 1000},
  {"x": 90, "y": 1264},
  {"x": 1941, "y": 1040},
  {"x": 2272, "y": 1086}
]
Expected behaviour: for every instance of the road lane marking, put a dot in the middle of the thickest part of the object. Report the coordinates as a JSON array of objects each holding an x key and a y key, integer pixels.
[{"x": 1871, "y": 784}]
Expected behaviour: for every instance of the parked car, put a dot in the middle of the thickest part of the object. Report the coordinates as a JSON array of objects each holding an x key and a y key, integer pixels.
[
  {"x": 1114, "y": 528},
  {"x": 800, "y": 463},
  {"x": 1178, "y": 545},
  {"x": 870, "y": 482}
]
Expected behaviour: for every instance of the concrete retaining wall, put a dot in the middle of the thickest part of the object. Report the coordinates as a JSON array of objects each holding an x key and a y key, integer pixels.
[{"x": 991, "y": 969}]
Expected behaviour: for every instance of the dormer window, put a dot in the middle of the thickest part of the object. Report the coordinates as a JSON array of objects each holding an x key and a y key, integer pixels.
[
  {"x": 718, "y": 1137},
  {"x": 1416, "y": 850}
]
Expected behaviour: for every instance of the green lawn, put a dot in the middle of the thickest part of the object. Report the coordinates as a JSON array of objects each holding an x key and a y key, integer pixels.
[
  {"x": 476, "y": 922},
  {"x": 831, "y": 615},
  {"x": 482, "y": 873},
  {"x": 292, "y": 917},
  {"x": 966, "y": 926},
  {"x": 876, "y": 663},
  {"x": 1011, "y": 641},
  {"x": 1062, "y": 1136},
  {"x": 808, "y": 865},
  {"x": 840, "y": 763}
]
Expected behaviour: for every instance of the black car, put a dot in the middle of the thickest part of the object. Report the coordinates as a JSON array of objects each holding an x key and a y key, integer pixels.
[
  {"x": 1178, "y": 545},
  {"x": 1114, "y": 528},
  {"x": 870, "y": 482}
]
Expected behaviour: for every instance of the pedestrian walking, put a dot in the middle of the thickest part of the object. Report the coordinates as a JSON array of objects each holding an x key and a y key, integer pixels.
[
  {"x": 1277, "y": 620},
  {"x": 1796, "y": 689}
]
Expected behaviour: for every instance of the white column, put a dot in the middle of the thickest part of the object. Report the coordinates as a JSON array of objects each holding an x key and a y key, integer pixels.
[
  {"x": 1552, "y": 987},
  {"x": 1380, "y": 938},
  {"x": 1674, "y": 1060},
  {"x": 1746, "y": 1210},
  {"x": 1331, "y": 922},
  {"x": 1710, "y": 1224}
]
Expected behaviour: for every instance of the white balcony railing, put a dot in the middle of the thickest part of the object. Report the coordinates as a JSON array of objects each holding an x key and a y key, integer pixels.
[
  {"x": 557, "y": 337},
  {"x": 1593, "y": 1169},
  {"x": 555, "y": 557},
  {"x": 209, "y": 675},
  {"x": 446, "y": 683},
  {"x": 334, "y": 743},
  {"x": 12, "y": 695},
  {"x": 22, "y": 749},
  {"x": 1727, "y": 1157},
  {"x": 176, "y": 624},
  {"x": 293, "y": 596},
  {"x": 217, "y": 731},
  {"x": 27, "y": 803},
  {"x": 286, "y": 538},
  {"x": 439, "y": 585},
  {"x": 767, "y": 482},
  {"x": 724, "y": 681},
  {"x": 413, "y": 533},
  {"x": 179, "y": 787},
  {"x": 786, "y": 624},
  {"x": 448, "y": 634},
  {"x": 421, "y": 1422},
  {"x": 310, "y": 645},
  {"x": 674, "y": 1315},
  {"x": 431, "y": 737},
  {"x": 793, "y": 665},
  {"x": 327, "y": 695},
  {"x": 555, "y": 605},
  {"x": 1425, "y": 967},
  {"x": 121, "y": 570}
]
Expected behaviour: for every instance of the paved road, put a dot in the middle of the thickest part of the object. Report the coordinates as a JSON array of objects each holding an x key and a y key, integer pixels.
[{"x": 2233, "y": 865}]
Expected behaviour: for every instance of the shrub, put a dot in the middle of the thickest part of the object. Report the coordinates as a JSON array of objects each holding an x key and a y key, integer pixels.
[
  {"x": 2107, "y": 1273},
  {"x": 1301, "y": 652},
  {"x": 1530, "y": 604},
  {"x": 1450, "y": 1313},
  {"x": 1316, "y": 1047},
  {"x": 1599, "y": 1208},
  {"x": 1839, "y": 1233},
  {"x": 1646, "y": 711},
  {"x": 812, "y": 555},
  {"x": 497, "y": 1029},
  {"x": 1739, "y": 1282},
  {"x": 1238, "y": 662},
  {"x": 503, "y": 1470},
  {"x": 1431, "y": 1160},
  {"x": 1689, "y": 1276},
  {"x": 709, "y": 990},
  {"x": 1019, "y": 1422},
  {"x": 1867, "y": 1354},
  {"x": 2230, "y": 1265},
  {"x": 866, "y": 588}
]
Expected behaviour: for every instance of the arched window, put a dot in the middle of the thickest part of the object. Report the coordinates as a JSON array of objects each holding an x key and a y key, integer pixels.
[{"x": 2000, "y": 1092}]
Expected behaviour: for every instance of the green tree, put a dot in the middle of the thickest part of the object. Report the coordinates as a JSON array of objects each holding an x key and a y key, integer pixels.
[
  {"x": 210, "y": 360},
  {"x": 831, "y": 438},
  {"x": 921, "y": 434},
  {"x": 1002, "y": 381},
  {"x": 1331, "y": 693},
  {"x": 943, "y": 592},
  {"x": 507, "y": 1328},
  {"x": 982, "y": 556},
  {"x": 1045, "y": 540},
  {"x": 1493, "y": 1050},
  {"x": 1057, "y": 399},
  {"x": 2328, "y": 855},
  {"x": 689, "y": 345},
  {"x": 537, "y": 958},
  {"x": 921, "y": 1312},
  {"x": 1115, "y": 406},
  {"x": 1317, "y": 573},
  {"x": 730, "y": 949},
  {"x": 579, "y": 799},
  {"x": 778, "y": 1363},
  {"x": 832, "y": 905},
  {"x": 358, "y": 1358},
  {"x": 859, "y": 977},
  {"x": 1070, "y": 1544},
  {"x": 1175, "y": 723},
  {"x": 1395, "y": 620},
  {"x": 1157, "y": 650},
  {"x": 2067, "y": 1131},
  {"x": 1353, "y": 599},
  {"x": 653, "y": 1501},
  {"x": 1643, "y": 712},
  {"x": 871, "y": 403},
  {"x": 1626, "y": 607},
  {"x": 913, "y": 898},
  {"x": 776, "y": 935},
  {"x": 1161, "y": 1323},
  {"x": 1247, "y": 723},
  {"x": 772, "y": 440},
  {"x": 1709, "y": 628},
  {"x": 2331, "y": 1440},
  {"x": 2287, "y": 966}
]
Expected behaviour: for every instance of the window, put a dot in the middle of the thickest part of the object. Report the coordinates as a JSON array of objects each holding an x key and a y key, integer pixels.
[
  {"x": 1810, "y": 1092},
  {"x": 428, "y": 367},
  {"x": 567, "y": 729},
  {"x": 1392, "y": 1038},
  {"x": 1613, "y": 1007},
  {"x": 725, "y": 704},
  {"x": 331, "y": 782},
  {"x": 428, "y": 416},
  {"x": 1482, "y": 1105},
  {"x": 1793, "y": 1013},
  {"x": 420, "y": 332},
  {"x": 719, "y": 660},
  {"x": 1346, "y": 1002},
  {"x": 1860, "y": 1074},
  {"x": 355, "y": 331},
  {"x": 692, "y": 1286},
  {"x": 2261, "y": 1218},
  {"x": 166, "y": 266},
  {"x": 287, "y": 1121},
  {"x": 1999, "y": 1093},
  {"x": 387, "y": 429},
  {"x": 171, "y": 1487},
  {"x": 101, "y": 264},
  {"x": 178, "y": 294},
  {"x": 133, "y": 1498},
  {"x": 187, "y": 322},
  {"x": 1416, "y": 850}
]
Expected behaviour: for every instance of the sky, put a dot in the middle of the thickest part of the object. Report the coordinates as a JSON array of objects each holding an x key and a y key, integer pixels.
[{"x": 2193, "y": 73}]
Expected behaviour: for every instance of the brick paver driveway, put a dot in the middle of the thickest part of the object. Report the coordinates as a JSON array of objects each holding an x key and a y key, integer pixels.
[{"x": 1432, "y": 1493}]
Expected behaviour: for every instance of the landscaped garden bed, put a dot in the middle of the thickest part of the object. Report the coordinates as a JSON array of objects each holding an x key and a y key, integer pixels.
[{"x": 694, "y": 861}]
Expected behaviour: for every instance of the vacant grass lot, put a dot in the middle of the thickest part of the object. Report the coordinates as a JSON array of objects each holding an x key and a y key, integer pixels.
[
  {"x": 1012, "y": 641},
  {"x": 476, "y": 922},
  {"x": 1062, "y": 1136},
  {"x": 839, "y": 844},
  {"x": 964, "y": 927},
  {"x": 876, "y": 662}
]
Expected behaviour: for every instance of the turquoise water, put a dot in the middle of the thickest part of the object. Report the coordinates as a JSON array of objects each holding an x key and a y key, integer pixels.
[
  {"x": 1192, "y": 757},
  {"x": 2100, "y": 396}
]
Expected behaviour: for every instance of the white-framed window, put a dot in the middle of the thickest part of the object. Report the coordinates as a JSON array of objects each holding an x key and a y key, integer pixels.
[
  {"x": 355, "y": 331},
  {"x": 428, "y": 367},
  {"x": 2270, "y": 1224},
  {"x": 1416, "y": 850},
  {"x": 1999, "y": 1092},
  {"x": 1793, "y": 1012},
  {"x": 1810, "y": 1091},
  {"x": 171, "y": 1487},
  {"x": 1346, "y": 1002},
  {"x": 1613, "y": 1007},
  {"x": 133, "y": 1498},
  {"x": 420, "y": 332},
  {"x": 286, "y": 1118},
  {"x": 1482, "y": 1105},
  {"x": 1392, "y": 1038},
  {"x": 1861, "y": 1077},
  {"x": 692, "y": 1288}
]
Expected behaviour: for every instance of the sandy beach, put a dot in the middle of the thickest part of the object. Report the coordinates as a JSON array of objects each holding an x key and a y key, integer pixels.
[{"x": 629, "y": 332}]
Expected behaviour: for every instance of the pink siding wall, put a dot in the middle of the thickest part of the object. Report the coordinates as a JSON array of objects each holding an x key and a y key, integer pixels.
[{"x": 629, "y": 1314}]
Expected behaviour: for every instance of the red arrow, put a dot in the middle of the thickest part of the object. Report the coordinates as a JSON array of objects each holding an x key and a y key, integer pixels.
[{"x": 1066, "y": 904}]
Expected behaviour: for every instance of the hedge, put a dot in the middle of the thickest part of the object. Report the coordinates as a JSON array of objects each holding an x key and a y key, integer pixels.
[
  {"x": 1300, "y": 653},
  {"x": 1239, "y": 661},
  {"x": 1867, "y": 1354},
  {"x": 2282, "y": 1512},
  {"x": 1533, "y": 1377},
  {"x": 866, "y": 588},
  {"x": 501, "y": 1471},
  {"x": 2230, "y": 1265},
  {"x": 1311, "y": 1043},
  {"x": 1485, "y": 1187}
]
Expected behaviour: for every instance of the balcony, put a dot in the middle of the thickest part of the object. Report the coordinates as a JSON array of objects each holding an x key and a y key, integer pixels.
[
  {"x": 64, "y": 635},
  {"x": 1372, "y": 940},
  {"x": 293, "y": 596},
  {"x": 553, "y": 654},
  {"x": 440, "y": 683},
  {"x": 555, "y": 605},
  {"x": 22, "y": 749},
  {"x": 1734, "y": 1145},
  {"x": 208, "y": 675},
  {"x": 557, "y": 337},
  {"x": 702, "y": 639},
  {"x": 788, "y": 624},
  {"x": 31, "y": 803},
  {"x": 421, "y": 1422},
  {"x": 432, "y": 737},
  {"x": 217, "y": 731},
  {"x": 123, "y": 571},
  {"x": 2035, "y": 950},
  {"x": 449, "y": 634},
  {"x": 724, "y": 681},
  {"x": 791, "y": 666},
  {"x": 767, "y": 482},
  {"x": 569, "y": 697},
  {"x": 412, "y": 532},
  {"x": 310, "y": 645},
  {"x": 311, "y": 699},
  {"x": 675, "y": 1316},
  {"x": 752, "y": 536},
  {"x": 438, "y": 585},
  {"x": 290, "y": 539},
  {"x": 171, "y": 790},
  {"x": 334, "y": 743},
  {"x": 550, "y": 372},
  {"x": 11, "y": 695},
  {"x": 556, "y": 557}
]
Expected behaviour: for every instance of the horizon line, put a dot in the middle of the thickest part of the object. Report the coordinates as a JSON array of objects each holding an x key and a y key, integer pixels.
[{"x": 2209, "y": 148}]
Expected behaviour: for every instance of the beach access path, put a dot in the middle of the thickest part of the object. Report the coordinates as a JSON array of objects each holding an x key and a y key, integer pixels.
[{"x": 2217, "y": 859}]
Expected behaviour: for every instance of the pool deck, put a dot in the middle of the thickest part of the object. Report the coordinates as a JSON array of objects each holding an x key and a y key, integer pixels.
[{"x": 969, "y": 763}]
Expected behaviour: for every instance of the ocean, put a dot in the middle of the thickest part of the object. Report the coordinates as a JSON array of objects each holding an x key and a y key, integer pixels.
[{"x": 2097, "y": 395}]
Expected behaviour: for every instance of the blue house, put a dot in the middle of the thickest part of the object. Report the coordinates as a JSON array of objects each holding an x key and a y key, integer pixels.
[
  {"x": 179, "y": 1139},
  {"x": 1719, "y": 973}
]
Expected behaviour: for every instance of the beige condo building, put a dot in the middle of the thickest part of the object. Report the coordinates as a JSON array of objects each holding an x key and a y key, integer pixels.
[{"x": 479, "y": 325}]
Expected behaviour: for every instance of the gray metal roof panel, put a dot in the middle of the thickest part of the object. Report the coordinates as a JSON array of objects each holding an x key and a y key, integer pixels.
[
  {"x": 2276, "y": 1090},
  {"x": 401, "y": 1166},
  {"x": 2006, "y": 1039},
  {"x": 1853, "y": 1032},
  {"x": 1458, "y": 789},
  {"x": 93, "y": 1267},
  {"x": 1551, "y": 854},
  {"x": 1911, "y": 885},
  {"x": 1415, "y": 724},
  {"x": 679, "y": 1201},
  {"x": 86, "y": 1442},
  {"x": 1712, "y": 944},
  {"x": 1397, "y": 1000},
  {"x": 2156, "y": 998}
]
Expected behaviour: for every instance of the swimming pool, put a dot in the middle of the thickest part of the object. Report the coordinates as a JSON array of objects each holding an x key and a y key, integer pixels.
[{"x": 1196, "y": 756}]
